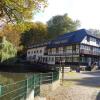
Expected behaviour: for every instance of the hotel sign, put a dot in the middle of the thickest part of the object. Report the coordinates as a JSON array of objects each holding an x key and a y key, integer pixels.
[{"x": 61, "y": 41}]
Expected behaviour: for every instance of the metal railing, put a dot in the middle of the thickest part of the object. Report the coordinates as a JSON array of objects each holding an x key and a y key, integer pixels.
[
  {"x": 83, "y": 51},
  {"x": 46, "y": 78},
  {"x": 21, "y": 89}
]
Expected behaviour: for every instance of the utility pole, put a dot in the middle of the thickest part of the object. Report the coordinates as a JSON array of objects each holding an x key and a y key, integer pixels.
[
  {"x": 62, "y": 70},
  {"x": 62, "y": 74}
]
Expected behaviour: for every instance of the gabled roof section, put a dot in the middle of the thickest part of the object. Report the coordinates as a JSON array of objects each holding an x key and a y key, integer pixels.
[
  {"x": 92, "y": 35},
  {"x": 66, "y": 39},
  {"x": 69, "y": 38}
]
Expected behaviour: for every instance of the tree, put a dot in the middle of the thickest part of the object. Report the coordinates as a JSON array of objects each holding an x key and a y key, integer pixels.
[
  {"x": 94, "y": 32},
  {"x": 13, "y": 33},
  {"x": 20, "y": 9},
  {"x": 7, "y": 50},
  {"x": 37, "y": 34},
  {"x": 60, "y": 24},
  {"x": 24, "y": 34}
]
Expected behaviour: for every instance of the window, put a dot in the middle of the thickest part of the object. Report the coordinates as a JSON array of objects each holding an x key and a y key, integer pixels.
[
  {"x": 40, "y": 51},
  {"x": 82, "y": 59},
  {"x": 77, "y": 46},
  {"x": 76, "y": 59},
  {"x": 81, "y": 46},
  {"x": 52, "y": 58},
  {"x": 97, "y": 42},
  {"x": 46, "y": 59},
  {"x": 64, "y": 49},
  {"x": 91, "y": 48},
  {"x": 34, "y": 52},
  {"x": 60, "y": 50},
  {"x": 40, "y": 58},
  {"x": 28, "y": 52},
  {"x": 58, "y": 59},
  {"x": 48, "y": 51},
  {"x": 68, "y": 59},
  {"x": 69, "y": 51},
  {"x": 92, "y": 39},
  {"x": 53, "y": 50},
  {"x": 49, "y": 59},
  {"x": 88, "y": 38},
  {"x": 57, "y": 50},
  {"x": 87, "y": 47},
  {"x": 69, "y": 47},
  {"x": 74, "y": 47}
]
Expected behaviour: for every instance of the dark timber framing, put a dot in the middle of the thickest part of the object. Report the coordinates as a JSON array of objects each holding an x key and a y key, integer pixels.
[{"x": 78, "y": 48}]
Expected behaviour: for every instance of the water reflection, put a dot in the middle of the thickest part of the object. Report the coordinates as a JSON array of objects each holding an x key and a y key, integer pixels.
[
  {"x": 7, "y": 78},
  {"x": 15, "y": 86}
]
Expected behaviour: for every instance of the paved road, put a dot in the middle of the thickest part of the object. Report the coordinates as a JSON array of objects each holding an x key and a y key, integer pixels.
[{"x": 78, "y": 86}]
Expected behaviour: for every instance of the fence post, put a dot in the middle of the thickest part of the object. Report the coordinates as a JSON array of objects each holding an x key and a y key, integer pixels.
[
  {"x": 52, "y": 78},
  {"x": 40, "y": 78},
  {"x": 0, "y": 90},
  {"x": 34, "y": 84},
  {"x": 34, "y": 81},
  {"x": 27, "y": 85}
]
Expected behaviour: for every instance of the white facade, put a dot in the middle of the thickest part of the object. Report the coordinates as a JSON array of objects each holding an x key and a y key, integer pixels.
[
  {"x": 89, "y": 46},
  {"x": 35, "y": 53},
  {"x": 51, "y": 59},
  {"x": 92, "y": 41},
  {"x": 60, "y": 50}
]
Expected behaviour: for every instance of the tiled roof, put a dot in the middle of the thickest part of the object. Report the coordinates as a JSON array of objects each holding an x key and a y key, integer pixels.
[{"x": 69, "y": 38}]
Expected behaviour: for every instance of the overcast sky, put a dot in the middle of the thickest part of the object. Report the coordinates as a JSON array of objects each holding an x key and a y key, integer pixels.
[{"x": 87, "y": 11}]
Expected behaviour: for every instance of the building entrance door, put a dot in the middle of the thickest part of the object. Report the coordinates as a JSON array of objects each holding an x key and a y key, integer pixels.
[{"x": 89, "y": 61}]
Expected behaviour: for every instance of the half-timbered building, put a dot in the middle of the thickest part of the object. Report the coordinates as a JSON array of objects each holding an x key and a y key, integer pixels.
[{"x": 74, "y": 48}]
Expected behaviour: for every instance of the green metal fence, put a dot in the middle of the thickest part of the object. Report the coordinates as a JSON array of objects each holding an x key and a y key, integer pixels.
[
  {"x": 14, "y": 91},
  {"x": 21, "y": 89},
  {"x": 46, "y": 78}
]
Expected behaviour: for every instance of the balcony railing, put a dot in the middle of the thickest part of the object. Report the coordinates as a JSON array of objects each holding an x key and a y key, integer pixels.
[
  {"x": 63, "y": 53},
  {"x": 46, "y": 53},
  {"x": 90, "y": 52}
]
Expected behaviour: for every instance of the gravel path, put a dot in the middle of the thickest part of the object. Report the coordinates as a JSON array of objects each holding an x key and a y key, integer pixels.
[{"x": 78, "y": 86}]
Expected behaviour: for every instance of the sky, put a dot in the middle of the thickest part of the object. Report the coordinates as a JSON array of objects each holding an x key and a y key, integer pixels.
[{"x": 87, "y": 11}]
